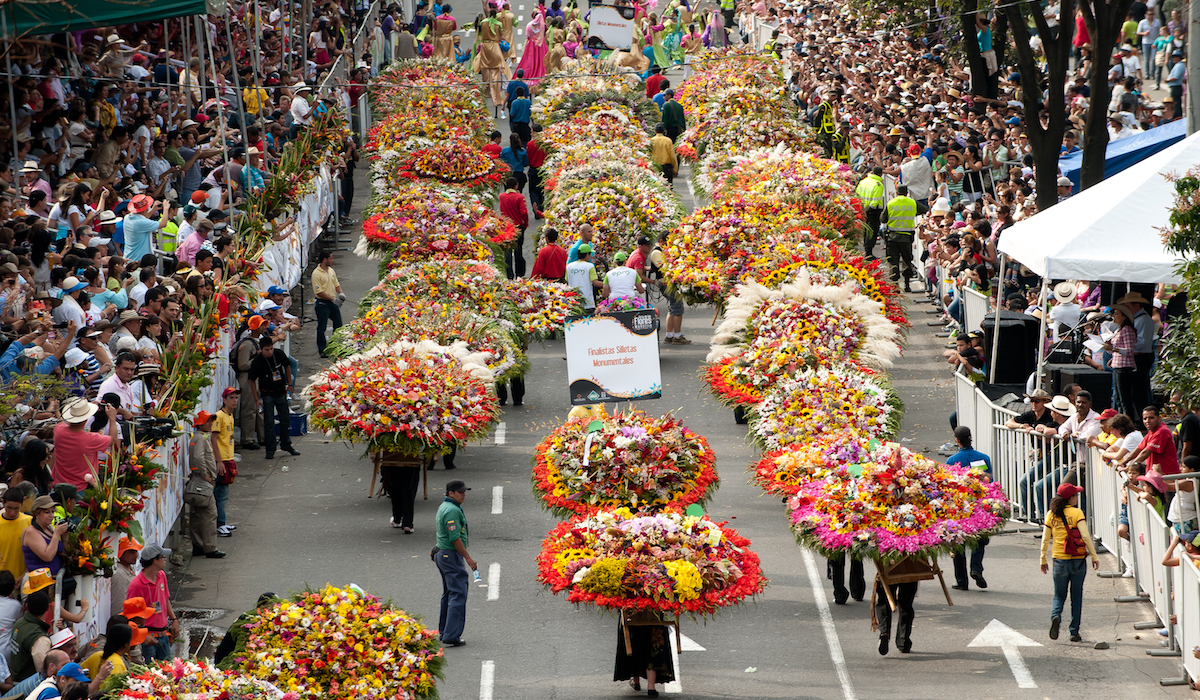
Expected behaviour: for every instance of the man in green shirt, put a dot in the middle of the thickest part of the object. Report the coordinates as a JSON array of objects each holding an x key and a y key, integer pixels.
[
  {"x": 449, "y": 556},
  {"x": 673, "y": 119}
]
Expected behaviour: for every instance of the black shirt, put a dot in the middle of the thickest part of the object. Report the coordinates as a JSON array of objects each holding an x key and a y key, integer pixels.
[
  {"x": 1189, "y": 430},
  {"x": 269, "y": 372},
  {"x": 1031, "y": 418}
]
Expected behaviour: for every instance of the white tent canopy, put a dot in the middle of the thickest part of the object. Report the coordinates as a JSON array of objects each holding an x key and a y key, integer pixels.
[{"x": 1110, "y": 231}]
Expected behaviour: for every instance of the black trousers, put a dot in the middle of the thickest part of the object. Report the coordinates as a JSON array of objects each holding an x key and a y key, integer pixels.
[
  {"x": 900, "y": 252},
  {"x": 402, "y": 483},
  {"x": 960, "y": 562},
  {"x": 905, "y": 594},
  {"x": 518, "y": 391},
  {"x": 514, "y": 257},
  {"x": 347, "y": 195},
  {"x": 836, "y": 571},
  {"x": 536, "y": 194},
  {"x": 521, "y": 129},
  {"x": 1141, "y": 384},
  {"x": 871, "y": 237}
]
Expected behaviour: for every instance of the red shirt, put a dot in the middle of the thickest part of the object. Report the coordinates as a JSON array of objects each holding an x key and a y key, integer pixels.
[
  {"x": 534, "y": 154},
  {"x": 637, "y": 261},
  {"x": 652, "y": 84},
  {"x": 493, "y": 150},
  {"x": 551, "y": 263},
  {"x": 1081, "y": 33},
  {"x": 1160, "y": 455},
  {"x": 156, "y": 595},
  {"x": 76, "y": 454},
  {"x": 512, "y": 205}
]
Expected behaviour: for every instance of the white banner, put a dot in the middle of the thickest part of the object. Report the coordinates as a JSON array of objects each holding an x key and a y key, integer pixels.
[
  {"x": 284, "y": 261},
  {"x": 613, "y": 357},
  {"x": 610, "y": 27}
]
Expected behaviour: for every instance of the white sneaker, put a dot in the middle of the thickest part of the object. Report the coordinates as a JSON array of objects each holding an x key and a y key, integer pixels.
[
  {"x": 393, "y": 522},
  {"x": 502, "y": 115}
]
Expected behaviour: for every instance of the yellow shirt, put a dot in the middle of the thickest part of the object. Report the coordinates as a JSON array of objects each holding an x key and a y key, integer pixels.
[
  {"x": 662, "y": 151},
  {"x": 11, "y": 557},
  {"x": 223, "y": 429},
  {"x": 93, "y": 663},
  {"x": 325, "y": 282},
  {"x": 253, "y": 99},
  {"x": 1056, "y": 529}
]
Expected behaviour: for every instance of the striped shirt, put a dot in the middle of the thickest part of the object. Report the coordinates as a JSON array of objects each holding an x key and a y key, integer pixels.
[{"x": 1123, "y": 343}]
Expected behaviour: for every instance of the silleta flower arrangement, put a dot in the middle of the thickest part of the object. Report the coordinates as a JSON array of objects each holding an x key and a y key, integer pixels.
[
  {"x": 543, "y": 305},
  {"x": 743, "y": 379},
  {"x": 417, "y": 240},
  {"x": 190, "y": 679},
  {"x": 832, "y": 324},
  {"x": 824, "y": 400},
  {"x": 341, "y": 643},
  {"x": 784, "y": 472},
  {"x": 614, "y": 125},
  {"x": 455, "y": 161},
  {"x": 666, "y": 562},
  {"x": 620, "y": 210},
  {"x": 420, "y": 213},
  {"x": 407, "y": 398},
  {"x": 614, "y": 305},
  {"x": 902, "y": 504},
  {"x": 633, "y": 459}
]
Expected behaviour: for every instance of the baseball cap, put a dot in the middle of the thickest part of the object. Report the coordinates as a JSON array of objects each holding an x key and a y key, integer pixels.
[
  {"x": 457, "y": 486},
  {"x": 1108, "y": 413},
  {"x": 230, "y": 391},
  {"x": 643, "y": 240},
  {"x": 621, "y": 257},
  {"x": 276, "y": 289},
  {"x": 1192, "y": 536},
  {"x": 153, "y": 551},
  {"x": 266, "y": 305},
  {"x": 1067, "y": 490},
  {"x": 255, "y": 322},
  {"x": 202, "y": 418},
  {"x": 585, "y": 249},
  {"x": 1064, "y": 181},
  {"x": 128, "y": 543},
  {"x": 74, "y": 670}
]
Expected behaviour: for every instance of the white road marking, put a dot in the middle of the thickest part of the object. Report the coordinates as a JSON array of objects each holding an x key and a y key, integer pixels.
[
  {"x": 675, "y": 686},
  {"x": 494, "y": 581},
  {"x": 520, "y": 7},
  {"x": 487, "y": 677},
  {"x": 501, "y": 433},
  {"x": 497, "y": 500},
  {"x": 831, "y": 636},
  {"x": 998, "y": 634},
  {"x": 690, "y": 644}
]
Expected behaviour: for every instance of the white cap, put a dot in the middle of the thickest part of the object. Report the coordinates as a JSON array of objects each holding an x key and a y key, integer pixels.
[
  {"x": 266, "y": 305},
  {"x": 73, "y": 357}
]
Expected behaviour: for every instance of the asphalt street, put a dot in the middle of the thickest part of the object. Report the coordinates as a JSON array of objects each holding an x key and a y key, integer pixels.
[{"x": 307, "y": 520}]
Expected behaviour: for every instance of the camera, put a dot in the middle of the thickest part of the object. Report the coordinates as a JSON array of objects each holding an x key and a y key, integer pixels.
[{"x": 152, "y": 429}]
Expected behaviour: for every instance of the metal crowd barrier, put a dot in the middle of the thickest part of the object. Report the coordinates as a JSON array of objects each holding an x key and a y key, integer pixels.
[{"x": 1030, "y": 467}]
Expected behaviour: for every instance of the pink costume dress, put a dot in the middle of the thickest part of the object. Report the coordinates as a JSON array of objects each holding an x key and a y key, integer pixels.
[{"x": 533, "y": 57}]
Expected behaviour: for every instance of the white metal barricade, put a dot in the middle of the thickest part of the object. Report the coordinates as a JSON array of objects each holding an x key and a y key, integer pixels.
[{"x": 975, "y": 309}]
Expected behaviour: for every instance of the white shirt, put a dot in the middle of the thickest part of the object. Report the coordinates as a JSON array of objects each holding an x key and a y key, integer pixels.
[
  {"x": 917, "y": 174},
  {"x": 579, "y": 276},
  {"x": 1066, "y": 314},
  {"x": 300, "y": 111},
  {"x": 621, "y": 282},
  {"x": 137, "y": 294},
  {"x": 10, "y": 611},
  {"x": 1088, "y": 427}
]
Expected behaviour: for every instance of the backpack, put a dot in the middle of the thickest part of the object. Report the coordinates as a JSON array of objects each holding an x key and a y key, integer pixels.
[
  {"x": 233, "y": 352},
  {"x": 1074, "y": 546}
]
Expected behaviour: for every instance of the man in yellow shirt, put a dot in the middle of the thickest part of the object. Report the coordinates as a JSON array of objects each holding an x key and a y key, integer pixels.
[
  {"x": 222, "y": 442},
  {"x": 328, "y": 292},
  {"x": 662, "y": 150},
  {"x": 12, "y": 525}
]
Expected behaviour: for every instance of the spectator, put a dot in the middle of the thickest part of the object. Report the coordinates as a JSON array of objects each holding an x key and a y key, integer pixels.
[
  {"x": 1157, "y": 448},
  {"x": 198, "y": 493},
  {"x": 30, "y": 636},
  {"x": 13, "y": 524},
  {"x": 151, "y": 586},
  {"x": 123, "y": 573},
  {"x": 329, "y": 297},
  {"x": 270, "y": 374}
]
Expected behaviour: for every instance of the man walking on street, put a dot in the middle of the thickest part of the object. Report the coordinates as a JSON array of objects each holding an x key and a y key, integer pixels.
[
  {"x": 512, "y": 207},
  {"x": 151, "y": 586},
  {"x": 900, "y": 215},
  {"x": 223, "y": 447},
  {"x": 870, "y": 191},
  {"x": 662, "y": 150},
  {"x": 551, "y": 261},
  {"x": 328, "y": 292},
  {"x": 968, "y": 457},
  {"x": 673, "y": 119},
  {"x": 536, "y": 157},
  {"x": 244, "y": 352},
  {"x": 450, "y": 554},
  {"x": 270, "y": 374}
]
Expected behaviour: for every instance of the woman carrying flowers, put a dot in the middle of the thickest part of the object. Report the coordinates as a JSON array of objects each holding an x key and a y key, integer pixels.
[{"x": 651, "y": 657}]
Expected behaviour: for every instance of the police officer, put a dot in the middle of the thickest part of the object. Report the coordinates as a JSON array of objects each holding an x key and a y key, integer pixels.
[
  {"x": 449, "y": 555},
  {"x": 841, "y": 142},
  {"x": 870, "y": 193},
  {"x": 823, "y": 119},
  {"x": 900, "y": 216},
  {"x": 727, "y": 9}
]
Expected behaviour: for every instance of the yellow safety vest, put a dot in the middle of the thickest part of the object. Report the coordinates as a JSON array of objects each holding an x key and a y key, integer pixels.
[
  {"x": 902, "y": 213},
  {"x": 826, "y": 125},
  {"x": 870, "y": 192},
  {"x": 728, "y": 4}
]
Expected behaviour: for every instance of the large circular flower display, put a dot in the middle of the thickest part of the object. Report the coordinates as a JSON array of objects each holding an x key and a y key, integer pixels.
[
  {"x": 457, "y": 161},
  {"x": 543, "y": 305},
  {"x": 823, "y": 400},
  {"x": 784, "y": 472},
  {"x": 666, "y": 562},
  {"x": 406, "y": 398},
  {"x": 634, "y": 459},
  {"x": 901, "y": 504},
  {"x": 619, "y": 209},
  {"x": 423, "y": 219},
  {"x": 340, "y": 643}
]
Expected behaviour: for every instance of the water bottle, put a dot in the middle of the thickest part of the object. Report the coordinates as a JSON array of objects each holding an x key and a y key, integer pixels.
[{"x": 476, "y": 572}]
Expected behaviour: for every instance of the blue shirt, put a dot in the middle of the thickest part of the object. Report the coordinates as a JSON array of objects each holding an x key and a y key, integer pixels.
[
  {"x": 659, "y": 100},
  {"x": 964, "y": 458},
  {"x": 573, "y": 252},
  {"x": 8, "y": 362},
  {"x": 518, "y": 111},
  {"x": 511, "y": 88},
  {"x": 138, "y": 230},
  {"x": 516, "y": 161},
  {"x": 252, "y": 178},
  {"x": 1175, "y": 77},
  {"x": 985, "y": 39}
]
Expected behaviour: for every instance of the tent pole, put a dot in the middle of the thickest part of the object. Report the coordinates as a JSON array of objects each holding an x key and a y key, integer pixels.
[
  {"x": 12, "y": 97},
  {"x": 237, "y": 84},
  {"x": 996, "y": 326},
  {"x": 1045, "y": 313},
  {"x": 220, "y": 114},
  {"x": 257, "y": 38}
]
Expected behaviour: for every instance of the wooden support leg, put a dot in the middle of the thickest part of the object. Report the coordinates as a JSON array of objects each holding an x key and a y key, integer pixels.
[
  {"x": 425, "y": 475},
  {"x": 374, "y": 475},
  {"x": 887, "y": 590},
  {"x": 625, "y": 630}
]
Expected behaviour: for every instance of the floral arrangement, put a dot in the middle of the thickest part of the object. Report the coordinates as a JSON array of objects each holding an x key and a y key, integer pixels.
[
  {"x": 193, "y": 679},
  {"x": 634, "y": 459},
  {"x": 718, "y": 75},
  {"x": 614, "y": 125},
  {"x": 569, "y": 104},
  {"x": 421, "y": 214},
  {"x": 630, "y": 167},
  {"x": 781, "y": 172},
  {"x": 666, "y": 562},
  {"x": 783, "y": 472},
  {"x": 719, "y": 136},
  {"x": 831, "y": 324},
  {"x": 743, "y": 379},
  {"x": 414, "y": 242},
  {"x": 614, "y": 305},
  {"x": 544, "y": 305},
  {"x": 340, "y": 643},
  {"x": 900, "y": 504},
  {"x": 455, "y": 161},
  {"x": 823, "y": 400},
  {"x": 620, "y": 210},
  {"x": 405, "y": 397}
]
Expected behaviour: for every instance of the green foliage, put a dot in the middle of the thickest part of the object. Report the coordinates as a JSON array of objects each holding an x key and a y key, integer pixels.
[{"x": 1181, "y": 350}]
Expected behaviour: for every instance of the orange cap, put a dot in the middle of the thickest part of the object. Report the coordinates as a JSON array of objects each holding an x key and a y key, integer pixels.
[
  {"x": 127, "y": 544},
  {"x": 139, "y": 634},
  {"x": 202, "y": 418},
  {"x": 256, "y": 322}
]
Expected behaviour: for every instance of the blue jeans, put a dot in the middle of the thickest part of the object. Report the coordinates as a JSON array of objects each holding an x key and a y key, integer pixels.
[
  {"x": 1026, "y": 485},
  {"x": 221, "y": 493},
  {"x": 326, "y": 311},
  {"x": 1068, "y": 573},
  {"x": 273, "y": 405},
  {"x": 157, "y": 647},
  {"x": 453, "y": 615},
  {"x": 955, "y": 310}
]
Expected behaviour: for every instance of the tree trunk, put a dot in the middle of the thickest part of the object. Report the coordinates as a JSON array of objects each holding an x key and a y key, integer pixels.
[
  {"x": 1103, "y": 20},
  {"x": 979, "y": 76}
]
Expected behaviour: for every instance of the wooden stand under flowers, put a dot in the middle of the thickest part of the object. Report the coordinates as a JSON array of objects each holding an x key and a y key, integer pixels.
[
  {"x": 647, "y": 618},
  {"x": 907, "y": 570},
  {"x": 395, "y": 459}
]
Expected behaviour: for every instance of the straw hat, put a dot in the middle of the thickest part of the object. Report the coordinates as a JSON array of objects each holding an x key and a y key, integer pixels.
[
  {"x": 1062, "y": 406},
  {"x": 1064, "y": 292},
  {"x": 78, "y": 411}
]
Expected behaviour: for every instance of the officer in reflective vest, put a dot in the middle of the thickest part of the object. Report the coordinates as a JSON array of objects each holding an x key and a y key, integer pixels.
[
  {"x": 900, "y": 216},
  {"x": 822, "y": 118},
  {"x": 870, "y": 193},
  {"x": 727, "y": 8},
  {"x": 841, "y": 142}
]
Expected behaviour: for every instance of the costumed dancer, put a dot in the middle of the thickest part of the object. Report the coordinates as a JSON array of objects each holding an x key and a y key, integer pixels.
[
  {"x": 533, "y": 56},
  {"x": 507, "y": 21},
  {"x": 714, "y": 33},
  {"x": 489, "y": 61},
  {"x": 443, "y": 26}
]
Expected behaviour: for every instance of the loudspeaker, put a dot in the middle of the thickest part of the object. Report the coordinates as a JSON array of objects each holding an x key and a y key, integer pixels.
[
  {"x": 1097, "y": 382},
  {"x": 1111, "y": 291},
  {"x": 1016, "y": 355}
]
